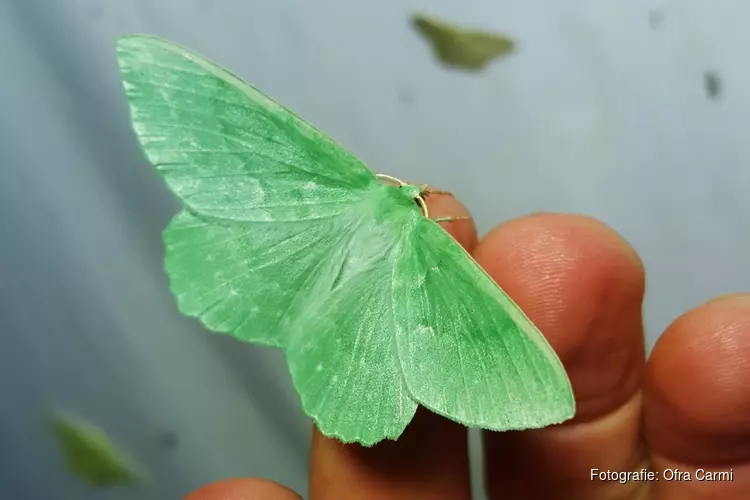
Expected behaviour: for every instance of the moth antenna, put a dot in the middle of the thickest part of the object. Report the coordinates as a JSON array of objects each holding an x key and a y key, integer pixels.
[
  {"x": 390, "y": 178},
  {"x": 423, "y": 206}
]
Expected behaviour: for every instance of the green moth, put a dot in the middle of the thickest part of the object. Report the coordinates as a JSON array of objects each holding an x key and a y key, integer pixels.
[
  {"x": 91, "y": 455},
  {"x": 287, "y": 240},
  {"x": 461, "y": 48}
]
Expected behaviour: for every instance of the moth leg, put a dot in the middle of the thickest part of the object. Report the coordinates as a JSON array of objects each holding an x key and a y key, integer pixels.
[
  {"x": 429, "y": 191},
  {"x": 451, "y": 219}
]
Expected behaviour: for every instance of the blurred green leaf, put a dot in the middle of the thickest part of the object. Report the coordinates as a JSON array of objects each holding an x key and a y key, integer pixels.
[
  {"x": 460, "y": 47},
  {"x": 92, "y": 456}
]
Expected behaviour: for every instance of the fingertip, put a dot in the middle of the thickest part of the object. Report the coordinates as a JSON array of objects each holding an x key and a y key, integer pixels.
[
  {"x": 697, "y": 399},
  {"x": 243, "y": 489}
]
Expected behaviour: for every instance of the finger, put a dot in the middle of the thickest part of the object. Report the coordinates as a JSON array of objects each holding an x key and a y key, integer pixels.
[
  {"x": 429, "y": 461},
  {"x": 243, "y": 489},
  {"x": 697, "y": 403},
  {"x": 583, "y": 286}
]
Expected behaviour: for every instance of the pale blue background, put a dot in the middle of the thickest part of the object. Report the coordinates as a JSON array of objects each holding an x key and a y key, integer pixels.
[{"x": 599, "y": 112}]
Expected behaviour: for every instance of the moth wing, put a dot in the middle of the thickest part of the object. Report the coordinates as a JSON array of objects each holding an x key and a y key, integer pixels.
[
  {"x": 225, "y": 149},
  {"x": 264, "y": 192},
  {"x": 342, "y": 350},
  {"x": 466, "y": 350},
  {"x": 242, "y": 278}
]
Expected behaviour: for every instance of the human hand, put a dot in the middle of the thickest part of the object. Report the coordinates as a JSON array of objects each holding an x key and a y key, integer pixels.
[{"x": 686, "y": 408}]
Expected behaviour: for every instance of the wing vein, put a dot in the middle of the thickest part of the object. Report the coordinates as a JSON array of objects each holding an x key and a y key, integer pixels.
[
  {"x": 486, "y": 370},
  {"x": 248, "y": 149}
]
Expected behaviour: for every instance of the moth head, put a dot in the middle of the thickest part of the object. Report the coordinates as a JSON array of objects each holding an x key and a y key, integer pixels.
[{"x": 417, "y": 193}]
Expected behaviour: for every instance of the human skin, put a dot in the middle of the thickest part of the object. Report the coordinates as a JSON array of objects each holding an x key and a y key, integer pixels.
[{"x": 687, "y": 407}]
